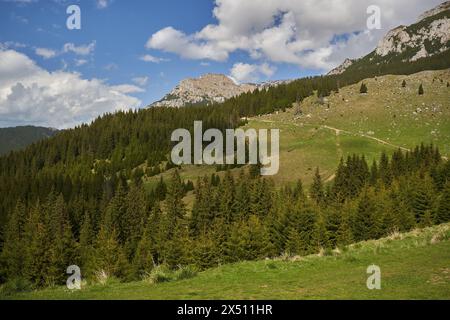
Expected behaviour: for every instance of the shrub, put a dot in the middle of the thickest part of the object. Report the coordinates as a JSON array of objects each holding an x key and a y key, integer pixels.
[
  {"x": 159, "y": 274},
  {"x": 15, "y": 285},
  {"x": 186, "y": 272}
]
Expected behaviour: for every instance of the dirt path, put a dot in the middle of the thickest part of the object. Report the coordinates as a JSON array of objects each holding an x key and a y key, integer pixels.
[{"x": 338, "y": 145}]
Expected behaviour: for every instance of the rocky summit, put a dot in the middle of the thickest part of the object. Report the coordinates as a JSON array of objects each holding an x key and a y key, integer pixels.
[{"x": 207, "y": 89}]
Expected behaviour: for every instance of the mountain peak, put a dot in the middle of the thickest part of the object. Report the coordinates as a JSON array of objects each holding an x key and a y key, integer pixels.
[{"x": 206, "y": 89}]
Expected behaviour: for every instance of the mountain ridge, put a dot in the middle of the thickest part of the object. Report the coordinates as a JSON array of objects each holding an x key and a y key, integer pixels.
[{"x": 427, "y": 37}]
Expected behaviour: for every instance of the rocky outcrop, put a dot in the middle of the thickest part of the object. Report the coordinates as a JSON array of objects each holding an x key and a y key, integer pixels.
[
  {"x": 208, "y": 89},
  {"x": 423, "y": 39},
  {"x": 347, "y": 63}
]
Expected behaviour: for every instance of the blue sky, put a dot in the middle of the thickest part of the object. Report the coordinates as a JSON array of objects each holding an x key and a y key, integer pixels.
[{"x": 251, "y": 40}]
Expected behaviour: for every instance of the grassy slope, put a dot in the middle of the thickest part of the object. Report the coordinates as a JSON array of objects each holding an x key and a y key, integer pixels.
[
  {"x": 415, "y": 265},
  {"x": 398, "y": 116}
]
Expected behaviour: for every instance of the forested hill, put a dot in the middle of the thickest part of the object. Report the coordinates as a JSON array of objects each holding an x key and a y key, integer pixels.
[
  {"x": 87, "y": 159},
  {"x": 17, "y": 138}
]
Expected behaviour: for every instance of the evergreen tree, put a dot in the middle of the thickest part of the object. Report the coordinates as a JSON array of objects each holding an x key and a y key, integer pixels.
[
  {"x": 404, "y": 84},
  {"x": 443, "y": 211},
  {"x": 13, "y": 253},
  {"x": 133, "y": 220},
  {"x": 364, "y": 226},
  {"x": 421, "y": 92},
  {"x": 317, "y": 192},
  {"x": 363, "y": 89}
]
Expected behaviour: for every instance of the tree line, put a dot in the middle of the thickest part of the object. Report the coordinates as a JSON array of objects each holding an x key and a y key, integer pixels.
[{"x": 130, "y": 231}]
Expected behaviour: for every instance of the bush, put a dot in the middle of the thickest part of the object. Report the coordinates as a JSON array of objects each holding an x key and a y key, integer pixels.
[
  {"x": 159, "y": 274},
  {"x": 15, "y": 285},
  {"x": 185, "y": 273}
]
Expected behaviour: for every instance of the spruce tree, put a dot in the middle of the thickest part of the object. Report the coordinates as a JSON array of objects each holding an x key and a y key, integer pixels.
[
  {"x": 443, "y": 211},
  {"x": 13, "y": 253},
  {"x": 363, "y": 89},
  {"x": 317, "y": 192},
  {"x": 421, "y": 92}
]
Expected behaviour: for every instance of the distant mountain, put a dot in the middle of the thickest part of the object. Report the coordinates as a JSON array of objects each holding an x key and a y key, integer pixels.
[
  {"x": 208, "y": 89},
  {"x": 427, "y": 38},
  {"x": 19, "y": 137}
]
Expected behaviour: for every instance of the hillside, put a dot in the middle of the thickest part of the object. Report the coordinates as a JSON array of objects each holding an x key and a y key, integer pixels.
[
  {"x": 414, "y": 265},
  {"x": 17, "y": 138},
  {"x": 318, "y": 132}
]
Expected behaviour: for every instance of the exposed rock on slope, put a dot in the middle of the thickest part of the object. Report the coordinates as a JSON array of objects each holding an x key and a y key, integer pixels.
[
  {"x": 427, "y": 37},
  {"x": 209, "y": 88}
]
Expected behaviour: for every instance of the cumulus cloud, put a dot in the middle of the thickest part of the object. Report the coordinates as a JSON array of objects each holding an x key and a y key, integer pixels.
[
  {"x": 310, "y": 34},
  {"x": 102, "y": 4},
  {"x": 32, "y": 95},
  {"x": 45, "y": 53},
  {"x": 150, "y": 58},
  {"x": 244, "y": 72},
  {"x": 140, "y": 81},
  {"x": 82, "y": 50}
]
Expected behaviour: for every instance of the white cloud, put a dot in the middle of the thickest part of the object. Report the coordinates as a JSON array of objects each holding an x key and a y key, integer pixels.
[
  {"x": 302, "y": 33},
  {"x": 80, "y": 62},
  {"x": 150, "y": 58},
  {"x": 140, "y": 81},
  {"x": 32, "y": 95},
  {"x": 171, "y": 40},
  {"x": 82, "y": 50},
  {"x": 244, "y": 72},
  {"x": 102, "y": 4},
  {"x": 45, "y": 53},
  {"x": 127, "y": 88},
  {"x": 111, "y": 66}
]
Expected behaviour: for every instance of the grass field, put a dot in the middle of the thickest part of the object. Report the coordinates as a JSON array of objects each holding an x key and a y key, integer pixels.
[
  {"x": 415, "y": 265},
  {"x": 318, "y": 133}
]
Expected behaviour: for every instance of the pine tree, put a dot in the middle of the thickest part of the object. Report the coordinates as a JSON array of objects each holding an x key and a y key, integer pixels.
[
  {"x": 317, "y": 192},
  {"x": 320, "y": 238},
  {"x": 87, "y": 244},
  {"x": 177, "y": 251},
  {"x": 149, "y": 247},
  {"x": 133, "y": 220},
  {"x": 421, "y": 92},
  {"x": 363, "y": 89},
  {"x": 175, "y": 207},
  {"x": 38, "y": 243},
  {"x": 364, "y": 226},
  {"x": 13, "y": 253},
  {"x": 443, "y": 211}
]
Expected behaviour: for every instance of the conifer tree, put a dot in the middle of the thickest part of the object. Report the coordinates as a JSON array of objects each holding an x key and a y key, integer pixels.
[
  {"x": 443, "y": 211},
  {"x": 364, "y": 226},
  {"x": 363, "y": 89},
  {"x": 320, "y": 238},
  {"x": 175, "y": 207},
  {"x": 149, "y": 247},
  {"x": 13, "y": 252},
  {"x": 134, "y": 219},
  {"x": 421, "y": 92},
  {"x": 317, "y": 192},
  {"x": 87, "y": 244},
  {"x": 177, "y": 249},
  {"x": 404, "y": 84}
]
